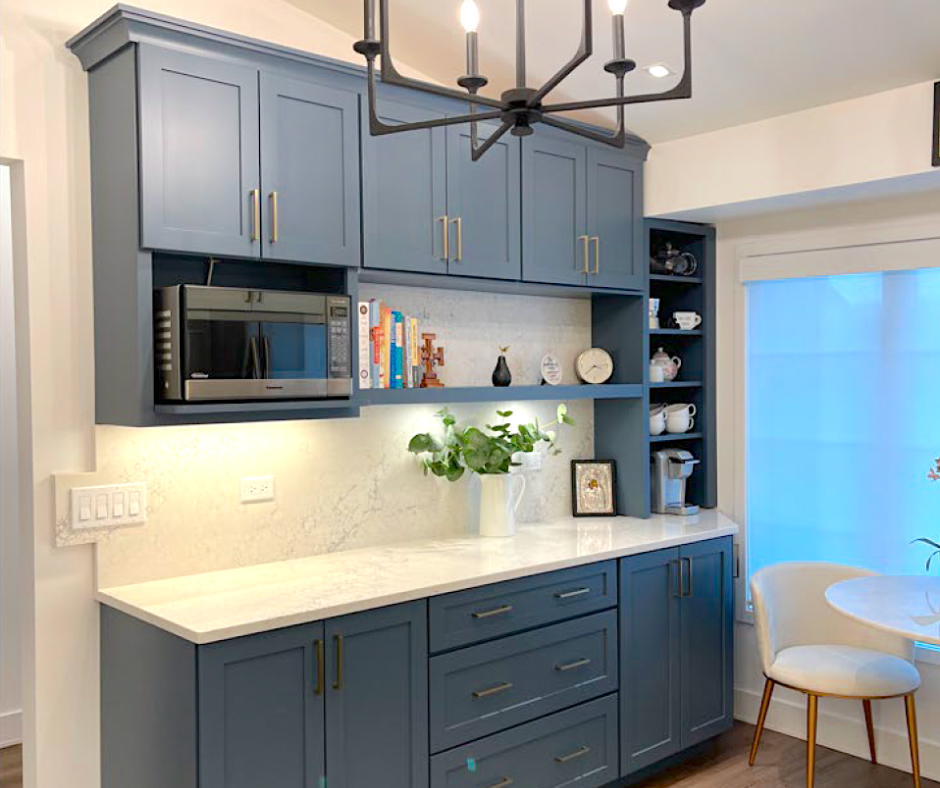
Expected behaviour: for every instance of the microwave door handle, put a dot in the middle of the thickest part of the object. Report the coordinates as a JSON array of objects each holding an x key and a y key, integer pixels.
[
  {"x": 266, "y": 356},
  {"x": 255, "y": 358}
]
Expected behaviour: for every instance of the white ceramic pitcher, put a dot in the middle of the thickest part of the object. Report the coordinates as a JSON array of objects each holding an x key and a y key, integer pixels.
[{"x": 497, "y": 515}]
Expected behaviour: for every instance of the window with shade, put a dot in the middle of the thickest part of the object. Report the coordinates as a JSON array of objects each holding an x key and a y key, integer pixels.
[{"x": 843, "y": 419}]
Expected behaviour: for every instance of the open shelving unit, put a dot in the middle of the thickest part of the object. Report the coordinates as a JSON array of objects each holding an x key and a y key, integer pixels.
[{"x": 462, "y": 394}]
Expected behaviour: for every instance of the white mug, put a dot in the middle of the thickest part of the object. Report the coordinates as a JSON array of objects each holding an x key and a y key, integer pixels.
[
  {"x": 687, "y": 320},
  {"x": 657, "y": 423},
  {"x": 657, "y": 373},
  {"x": 676, "y": 423},
  {"x": 680, "y": 409},
  {"x": 654, "y": 409}
]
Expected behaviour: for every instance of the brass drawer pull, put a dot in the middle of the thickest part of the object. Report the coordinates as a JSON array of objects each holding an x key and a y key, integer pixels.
[
  {"x": 597, "y": 254},
  {"x": 320, "y": 668},
  {"x": 578, "y": 753},
  {"x": 496, "y": 611},
  {"x": 446, "y": 233},
  {"x": 572, "y": 594},
  {"x": 459, "y": 222},
  {"x": 578, "y": 663},
  {"x": 255, "y": 214},
  {"x": 585, "y": 240},
  {"x": 492, "y": 690},
  {"x": 504, "y": 783},
  {"x": 273, "y": 198},
  {"x": 338, "y": 679}
]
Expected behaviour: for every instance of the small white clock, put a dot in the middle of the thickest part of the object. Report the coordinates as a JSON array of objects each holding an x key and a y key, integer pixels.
[{"x": 594, "y": 365}]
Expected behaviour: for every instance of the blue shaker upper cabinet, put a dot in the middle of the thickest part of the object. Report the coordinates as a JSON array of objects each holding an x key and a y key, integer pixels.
[
  {"x": 377, "y": 698},
  {"x": 404, "y": 193},
  {"x": 649, "y": 659},
  {"x": 615, "y": 219},
  {"x": 199, "y": 163},
  {"x": 261, "y": 711},
  {"x": 707, "y": 639},
  {"x": 554, "y": 203},
  {"x": 483, "y": 205},
  {"x": 309, "y": 172}
]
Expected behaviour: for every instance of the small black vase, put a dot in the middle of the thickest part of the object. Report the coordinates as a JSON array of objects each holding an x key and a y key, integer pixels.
[{"x": 501, "y": 375}]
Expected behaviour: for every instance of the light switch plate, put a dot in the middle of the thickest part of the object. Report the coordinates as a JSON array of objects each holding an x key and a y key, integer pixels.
[
  {"x": 108, "y": 506},
  {"x": 257, "y": 488}
]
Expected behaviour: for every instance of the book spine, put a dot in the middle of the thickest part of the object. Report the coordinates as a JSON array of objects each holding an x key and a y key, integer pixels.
[
  {"x": 365, "y": 360},
  {"x": 399, "y": 351},
  {"x": 375, "y": 344},
  {"x": 406, "y": 378},
  {"x": 386, "y": 346},
  {"x": 415, "y": 370}
]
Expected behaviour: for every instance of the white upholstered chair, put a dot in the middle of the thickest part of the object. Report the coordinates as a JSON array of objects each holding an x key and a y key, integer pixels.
[{"x": 807, "y": 646}]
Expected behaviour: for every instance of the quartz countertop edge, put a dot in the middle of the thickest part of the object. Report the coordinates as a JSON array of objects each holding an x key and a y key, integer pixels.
[{"x": 229, "y": 603}]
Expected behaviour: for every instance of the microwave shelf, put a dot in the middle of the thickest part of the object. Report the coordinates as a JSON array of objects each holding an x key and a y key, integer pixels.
[{"x": 273, "y": 410}]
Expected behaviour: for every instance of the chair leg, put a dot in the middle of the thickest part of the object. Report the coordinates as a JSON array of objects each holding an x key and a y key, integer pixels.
[
  {"x": 912, "y": 735},
  {"x": 812, "y": 708},
  {"x": 870, "y": 725},
  {"x": 764, "y": 706}
]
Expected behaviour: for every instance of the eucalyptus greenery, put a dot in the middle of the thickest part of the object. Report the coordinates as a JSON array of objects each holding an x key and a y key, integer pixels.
[{"x": 461, "y": 449}]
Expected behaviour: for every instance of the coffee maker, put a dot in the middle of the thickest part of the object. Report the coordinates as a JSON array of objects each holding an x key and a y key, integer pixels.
[{"x": 671, "y": 468}]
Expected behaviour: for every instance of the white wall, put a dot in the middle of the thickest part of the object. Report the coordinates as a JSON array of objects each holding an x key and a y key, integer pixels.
[
  {"x": 10, "y": 643},
  {"x": 841, "y": 725}
]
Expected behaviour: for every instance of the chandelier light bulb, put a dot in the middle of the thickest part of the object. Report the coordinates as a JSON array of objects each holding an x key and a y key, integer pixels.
[
  {"x": 617, "y": 6},
  {"x": 470, "y": 16}
]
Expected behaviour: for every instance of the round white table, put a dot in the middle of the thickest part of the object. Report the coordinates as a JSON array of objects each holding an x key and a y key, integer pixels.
[{"x": 906, "y": 605}]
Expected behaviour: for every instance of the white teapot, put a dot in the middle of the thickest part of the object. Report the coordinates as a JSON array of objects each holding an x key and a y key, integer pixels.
[{"x": 670, "y": 364}]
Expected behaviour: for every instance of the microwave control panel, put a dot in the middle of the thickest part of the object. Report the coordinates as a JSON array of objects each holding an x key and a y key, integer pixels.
[{"x": 338, "y": 324}]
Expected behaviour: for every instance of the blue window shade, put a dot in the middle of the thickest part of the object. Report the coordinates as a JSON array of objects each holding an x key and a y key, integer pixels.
[{"x": 843, "y": 419}]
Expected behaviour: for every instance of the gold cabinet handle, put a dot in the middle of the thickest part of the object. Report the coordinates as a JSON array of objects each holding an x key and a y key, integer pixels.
[
  {"x": 571, "y": 594},
  {"x": 320, "y": 668},
  {"x": 578, "y": 753},
  {"x": 338, "y": 678},
  {"x": 597, "y": 254},
  {"x": 496, "y": 611},
  {"x": 490, "y": 691},
  {"x": 445, "y": 228},
  {"x": 585, "y": 240},
  {"x": 255, "y": 214},
  {"x": 459, "y": 222},
  {"x": 273, "y": 197},
  {"x": 578, "y": 663},
  {"x": 504, "y": 783}
]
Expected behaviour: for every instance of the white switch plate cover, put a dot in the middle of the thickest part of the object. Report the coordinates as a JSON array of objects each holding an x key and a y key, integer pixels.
[
  {"x": 257, "y": 488},
  {"x": 108, "y": 506}
]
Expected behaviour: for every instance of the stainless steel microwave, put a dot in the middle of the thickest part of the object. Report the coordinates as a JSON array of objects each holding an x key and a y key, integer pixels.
[{"x": 225, "y": 343}]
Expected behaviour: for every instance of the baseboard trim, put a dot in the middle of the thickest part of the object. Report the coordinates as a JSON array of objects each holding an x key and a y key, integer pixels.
[
  {"x": 841, "y": 733},
  {"x": 11, "y": 728}
]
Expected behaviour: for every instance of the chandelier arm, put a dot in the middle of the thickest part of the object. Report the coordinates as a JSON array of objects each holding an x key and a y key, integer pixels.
[
  {"x": 682, "y": 90},
  {"x": 489, "y": 142},
  {"x": 585, "y": 50},
  {"x": 391, "y": 75},
  {"x": 616, "y": 140}
]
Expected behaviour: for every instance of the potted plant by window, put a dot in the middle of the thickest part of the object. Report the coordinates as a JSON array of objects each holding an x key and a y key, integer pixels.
[
  {"x": 489, "y": 454},
  {"x": 934, "y": 475}
]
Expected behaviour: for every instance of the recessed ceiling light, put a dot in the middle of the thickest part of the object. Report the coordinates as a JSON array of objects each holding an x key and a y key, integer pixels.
[{"x": 659, "y": 70}]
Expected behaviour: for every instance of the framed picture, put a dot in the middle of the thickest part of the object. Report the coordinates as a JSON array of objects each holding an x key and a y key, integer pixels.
[
  {"x": 936, "y": 125},
  {"x": 593, "y": 488}
]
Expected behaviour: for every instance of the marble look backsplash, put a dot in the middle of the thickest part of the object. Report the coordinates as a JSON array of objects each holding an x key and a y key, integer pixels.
[{"x": 340, "y": 484}]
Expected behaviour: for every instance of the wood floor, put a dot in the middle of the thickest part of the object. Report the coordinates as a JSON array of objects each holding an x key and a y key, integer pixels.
[{"x": 721, "y": 764}]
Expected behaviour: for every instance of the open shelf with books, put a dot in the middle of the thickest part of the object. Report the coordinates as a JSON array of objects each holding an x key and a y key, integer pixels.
[{"x": 460, "y": 394}]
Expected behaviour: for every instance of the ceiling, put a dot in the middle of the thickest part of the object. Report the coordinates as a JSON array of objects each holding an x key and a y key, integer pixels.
[{"x": 753, "y": 59}]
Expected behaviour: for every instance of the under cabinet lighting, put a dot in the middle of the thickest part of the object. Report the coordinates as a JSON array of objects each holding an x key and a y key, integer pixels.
[{"x": 659, "y": 70}]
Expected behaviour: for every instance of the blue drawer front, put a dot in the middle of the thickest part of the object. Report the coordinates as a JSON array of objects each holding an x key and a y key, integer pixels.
[
  {"x": 483, "y": 689},
  {"x": 576, "y": 746},
  {"x": 493, "y": 611}
]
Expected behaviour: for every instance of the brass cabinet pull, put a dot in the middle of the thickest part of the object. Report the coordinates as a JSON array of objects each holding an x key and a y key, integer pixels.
[
  {"x": 571, "y": 594},
  {"x": 578, "y": 753},
  {"x": 504, "y": 783},
  {"x": 597, "y": 254},
  {"x": 496, "y": 611},
  {"x": 338, "y": 679},
  {"x": 320, "y": 668},
  {"x": 492, "y": 690},
  {"x": 274, "y": 217},
  {"x": 585, "y": 240},
  {"x": 578, "y": 663},
  {"x": 687, "y": 589},
  {"x": 459, "y": 222},
  {"x": 255, "y": 214},
  {"x": 445, "y": 228}
]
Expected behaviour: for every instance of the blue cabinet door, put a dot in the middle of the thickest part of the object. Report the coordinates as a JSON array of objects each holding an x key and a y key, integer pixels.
[
  {"x": 199, "y": 161},
  {"x": 650, "y": 684},
  {"x": 404, "y": 193},
  {"x": 554, "y": 210},
  {"x": 377, "y": 698},
  {"x": 260, "y": 714},
  {"x": 309, "y": 172},
  {"x": 707, "y": 639},
  {"x": 483, "y": 203},
  {"x": 615, "y": 219}
]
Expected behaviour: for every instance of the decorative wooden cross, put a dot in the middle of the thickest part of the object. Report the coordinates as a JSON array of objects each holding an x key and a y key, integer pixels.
[{"x": 431, "y": 358}]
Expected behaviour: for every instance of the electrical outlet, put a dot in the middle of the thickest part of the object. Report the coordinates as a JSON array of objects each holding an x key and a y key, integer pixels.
[
  {"x": 257, "y": 488},
  {"x": 108, "y": 506}
]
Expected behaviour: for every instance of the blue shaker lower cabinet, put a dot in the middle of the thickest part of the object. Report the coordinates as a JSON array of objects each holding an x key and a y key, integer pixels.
[{"x": 676, "y": 650}]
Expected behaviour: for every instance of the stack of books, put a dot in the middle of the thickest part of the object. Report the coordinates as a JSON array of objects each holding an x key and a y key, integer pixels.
[{"x": 389, "y": 343}]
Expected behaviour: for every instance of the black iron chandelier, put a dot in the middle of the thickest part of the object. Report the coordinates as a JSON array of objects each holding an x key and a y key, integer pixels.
[{"x": 519, "y": 108}]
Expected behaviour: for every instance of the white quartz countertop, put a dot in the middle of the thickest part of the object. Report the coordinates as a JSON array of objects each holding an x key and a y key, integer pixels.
[{"x": 218, "y": 605}]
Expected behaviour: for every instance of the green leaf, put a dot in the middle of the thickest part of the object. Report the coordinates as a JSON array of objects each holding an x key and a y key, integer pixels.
[
  {"x": 421, "y": 443},
  {"x": 504, "y": 413},
  {"x": 449, "y": 420},
  {"x": 561, "y": 411},
  {"x": 927, "y": 541}
]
